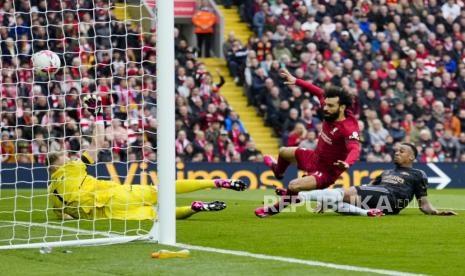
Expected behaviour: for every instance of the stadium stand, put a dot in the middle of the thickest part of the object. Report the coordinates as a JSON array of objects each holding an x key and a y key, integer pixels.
[
  {"x": 105, "y": 55},
  {"x": 402, "y": 60}
]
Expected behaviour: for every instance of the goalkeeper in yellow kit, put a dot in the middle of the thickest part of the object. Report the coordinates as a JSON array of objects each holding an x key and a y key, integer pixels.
[{"x": 74, "y": 194}]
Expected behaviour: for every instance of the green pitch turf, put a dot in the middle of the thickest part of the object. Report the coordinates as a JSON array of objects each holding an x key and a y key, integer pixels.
[{"x": 410, "y": 242}]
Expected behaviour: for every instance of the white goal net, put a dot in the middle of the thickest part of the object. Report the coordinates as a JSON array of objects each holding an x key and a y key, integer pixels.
[{"x": 107, "y": 49}]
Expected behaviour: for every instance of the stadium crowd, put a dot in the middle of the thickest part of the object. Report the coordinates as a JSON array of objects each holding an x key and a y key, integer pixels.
[
  {"x": 403, "y": 61},
  {"x": 115, "y": 60}
]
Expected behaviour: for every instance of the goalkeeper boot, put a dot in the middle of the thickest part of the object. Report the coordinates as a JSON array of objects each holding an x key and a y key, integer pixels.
[
  {"x": 236, "y": 185},
  {"x": 198, "y": 206},
  {"x": 375, "y": 213},
  {"x": 271, "y": 163}
]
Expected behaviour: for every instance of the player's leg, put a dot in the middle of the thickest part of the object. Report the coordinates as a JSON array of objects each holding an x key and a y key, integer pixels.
[
  {"x": 288, "y": 196},
  {"x": 306, "y": 183},
  {"x": 198, "y": 206},
  {"x": 375, "y": 197},
  {"x": 285, "y": 158},
  {"x": 191, "y": 185},
  {"x": 333, "y": 199},
  {"x": 130, "y": 202},
  {"x": 343, "y": 201},
  {"x": 184, "y": 212}
]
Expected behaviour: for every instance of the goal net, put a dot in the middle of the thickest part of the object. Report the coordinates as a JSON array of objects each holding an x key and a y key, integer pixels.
[{"x": 107, "y": 49}]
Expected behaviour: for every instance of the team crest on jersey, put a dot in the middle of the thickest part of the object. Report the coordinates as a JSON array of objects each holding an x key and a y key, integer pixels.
[
  {"x": 354, "y": 136},
  {"x": 334, "y": 131}
]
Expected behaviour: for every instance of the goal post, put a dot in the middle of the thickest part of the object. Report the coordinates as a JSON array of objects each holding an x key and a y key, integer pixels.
[
  {"x": 166, "y": 123},
  {"x": 105, "y": 52}
]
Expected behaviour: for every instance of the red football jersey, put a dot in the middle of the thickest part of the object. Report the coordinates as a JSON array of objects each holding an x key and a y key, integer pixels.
[{"x": 338, "y": 140}]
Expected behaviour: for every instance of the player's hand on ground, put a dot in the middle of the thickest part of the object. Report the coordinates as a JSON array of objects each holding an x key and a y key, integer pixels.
[
  {"x": 341, "y": 164},
  {"x": 446, "y": 213},
  {"x": 319, "y": 208},
  {"x": 93, "y": 104},
  {"x": 290, "y": 79}
]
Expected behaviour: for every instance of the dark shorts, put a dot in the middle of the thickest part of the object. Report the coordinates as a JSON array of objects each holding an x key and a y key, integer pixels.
[
  {"x": 307, "y": 161},
  {"x": 379, "y": 197}
]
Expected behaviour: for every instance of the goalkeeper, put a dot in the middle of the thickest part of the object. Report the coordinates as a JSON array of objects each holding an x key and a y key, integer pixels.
[{"x": 74, "y": 194}]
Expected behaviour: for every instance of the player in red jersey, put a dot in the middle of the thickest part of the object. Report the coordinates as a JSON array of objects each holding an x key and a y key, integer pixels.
[{"x": 338, "y": 146}]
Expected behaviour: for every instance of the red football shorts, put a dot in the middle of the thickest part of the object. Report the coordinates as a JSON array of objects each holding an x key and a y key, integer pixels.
[{"x": 324, "y": 174}]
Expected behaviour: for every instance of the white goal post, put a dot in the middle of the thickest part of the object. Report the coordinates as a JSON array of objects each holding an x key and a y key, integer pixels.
[{"x": 166, "y": 111}]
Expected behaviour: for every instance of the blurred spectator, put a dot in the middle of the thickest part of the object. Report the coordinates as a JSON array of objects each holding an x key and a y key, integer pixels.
[
  {"x": 378, "y": 133},
  {"x": 403, "y": 62},
  {"x": 310, "y": 140},
  {"x": 7, "y": 148},
  {"x": 297, "y": 135},
  {"x": 451, "y": 122},
  {"x": 115, "y": 60},
  {"x": 181, "y": 142},
  {"x": 450, "y": 145},
  {"x": 260, "y": 17},
  {"x": 204, "y": 21},
  {"x": 251, "y": 153}
]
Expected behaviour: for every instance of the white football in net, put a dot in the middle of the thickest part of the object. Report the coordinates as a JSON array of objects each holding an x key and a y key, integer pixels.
[{"x": 45, "y": 63}]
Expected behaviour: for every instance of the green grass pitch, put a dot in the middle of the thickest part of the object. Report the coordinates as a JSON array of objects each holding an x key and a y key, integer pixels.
[{"x": 410, "y": 242}]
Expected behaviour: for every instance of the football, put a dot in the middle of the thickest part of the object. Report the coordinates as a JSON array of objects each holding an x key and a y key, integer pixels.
[{"x": 45, "y": 63}]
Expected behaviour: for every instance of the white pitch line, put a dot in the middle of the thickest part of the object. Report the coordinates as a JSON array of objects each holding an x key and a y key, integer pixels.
[
  {"x": 240, "y": 253},
  {"x": 297, "y": 261}
]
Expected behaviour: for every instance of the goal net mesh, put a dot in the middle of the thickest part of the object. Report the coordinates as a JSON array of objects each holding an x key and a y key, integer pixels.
[{"x": 107, "y": 49}]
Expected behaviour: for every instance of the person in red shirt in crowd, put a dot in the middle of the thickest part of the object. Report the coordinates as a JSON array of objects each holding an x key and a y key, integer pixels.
[{"x": 297, "y": 135}]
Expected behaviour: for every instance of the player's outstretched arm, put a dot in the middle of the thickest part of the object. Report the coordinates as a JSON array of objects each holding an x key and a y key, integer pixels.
[
  {"x": 428, "y": 209},
  {"x": 93, "y": 105},
  {"x": 291, "y": 80}
]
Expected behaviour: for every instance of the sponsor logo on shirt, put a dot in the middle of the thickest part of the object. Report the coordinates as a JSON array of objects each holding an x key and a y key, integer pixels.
[
  {"x": 354, "y": 136},
  {"x": 393, "y": 179},
  {"x": 334, "y": 131}
]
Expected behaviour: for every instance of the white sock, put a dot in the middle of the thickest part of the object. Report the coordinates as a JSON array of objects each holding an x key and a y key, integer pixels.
[
  {"x": 349, "y": 209},
  {"x": 332, "y": 199},
  {"x": 332, "y": 195},
  {"x": 329, "y": 198}
]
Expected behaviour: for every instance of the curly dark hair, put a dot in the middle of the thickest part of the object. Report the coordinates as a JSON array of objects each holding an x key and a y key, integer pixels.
[
  {"x": 413, "y": 148},
  {"x": 344, "y": 97}
]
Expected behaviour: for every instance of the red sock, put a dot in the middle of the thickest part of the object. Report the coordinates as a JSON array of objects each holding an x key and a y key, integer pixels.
[
  {"x": 291, "y": 197},
  {"x": 287, "y": 199},
  {"x": 281, "y": 167},
  {"x": 277, "y": 207}
]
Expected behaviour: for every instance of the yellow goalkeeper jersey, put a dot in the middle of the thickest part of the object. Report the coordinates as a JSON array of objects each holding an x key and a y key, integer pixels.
[{"x": 80, "y": 195}]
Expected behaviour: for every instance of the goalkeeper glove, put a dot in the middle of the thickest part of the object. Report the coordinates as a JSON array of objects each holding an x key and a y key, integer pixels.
[{"x": 93, "y": 104}]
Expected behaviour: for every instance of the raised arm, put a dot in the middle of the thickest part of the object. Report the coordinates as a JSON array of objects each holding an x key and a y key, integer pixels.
[
  {"x": 222, "y": 82},
  {"x": 291, "y": 80},
  {"x": 427, "y": 208},
  {"x": 93, "y": 104}
]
